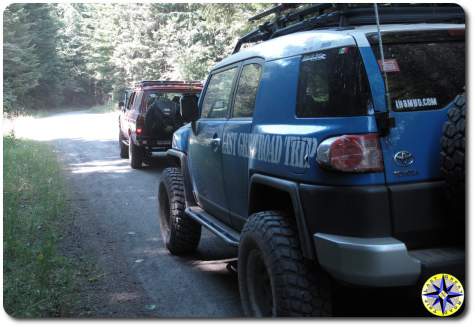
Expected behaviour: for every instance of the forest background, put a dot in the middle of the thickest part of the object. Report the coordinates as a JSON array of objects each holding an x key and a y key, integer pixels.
[{"x": 84, "y": 54}]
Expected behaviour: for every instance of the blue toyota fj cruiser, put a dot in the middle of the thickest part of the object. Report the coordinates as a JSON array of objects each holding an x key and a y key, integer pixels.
[{"x": 322, "y": 160}]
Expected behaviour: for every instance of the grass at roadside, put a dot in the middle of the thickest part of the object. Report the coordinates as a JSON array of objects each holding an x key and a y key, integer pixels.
[{"x": 37, "y": 280}]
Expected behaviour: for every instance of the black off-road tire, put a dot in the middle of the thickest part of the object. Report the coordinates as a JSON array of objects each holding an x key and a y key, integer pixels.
[
  {"x": 180, "y": 234},
  {"x": 453, "y": 156},
  {"x": 294, "y": 287},
  {"x": 136, "y": 155},
  {"x": 124, "y": 149}
]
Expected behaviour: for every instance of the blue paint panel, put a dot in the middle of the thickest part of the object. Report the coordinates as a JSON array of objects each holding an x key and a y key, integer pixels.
[
  {"x": 205, "y": 165},
  {"x": 275, "y": 115},
  {"x": 319, "y": 129},
  {"x": 376, "y": 81},
  {"x": 236, "y": 171},
  {"x": 418, "y": 132},
  {"x": 275, "y": 102}
]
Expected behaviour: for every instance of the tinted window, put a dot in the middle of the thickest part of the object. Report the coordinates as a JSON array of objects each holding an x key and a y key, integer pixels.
[
  {"x": 172, "y": 98},
  {"x": 247, "y": 90},
  {"x": 218, "y": 93},
  {"x": 423, "y": 75},
  {"x": 333, "y": 83},
  {"x": 137, "y": 100},
  {"x": 131, "y": 100},
  {"x": 125, "y": 98}
]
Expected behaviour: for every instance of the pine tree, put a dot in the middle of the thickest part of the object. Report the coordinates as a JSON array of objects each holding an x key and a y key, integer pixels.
[
  {"x": 84, "y": 54},
  {"x": 20, "y": 63},
  {"x": 43, "y": 31}
]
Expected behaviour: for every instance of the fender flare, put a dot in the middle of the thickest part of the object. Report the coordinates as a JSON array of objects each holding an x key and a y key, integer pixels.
[
  {"x": 182, "y": 159},
  {"x": 292, "y": 188}
]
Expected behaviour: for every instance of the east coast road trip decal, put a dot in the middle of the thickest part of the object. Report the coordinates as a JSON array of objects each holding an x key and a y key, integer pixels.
[{"x": 293, "y": 151}]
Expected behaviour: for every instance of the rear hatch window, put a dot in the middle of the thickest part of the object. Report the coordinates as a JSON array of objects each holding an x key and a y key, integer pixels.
[
  {"x": 425, "y": 70},
  {"x": 333, "y": 83},
  {"x": 169, "y": 100},
  {"x": 162, "y": 113}
]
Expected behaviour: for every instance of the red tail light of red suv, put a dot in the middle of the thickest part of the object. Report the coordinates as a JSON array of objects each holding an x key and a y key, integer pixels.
[{"x": 140, "y": 125}]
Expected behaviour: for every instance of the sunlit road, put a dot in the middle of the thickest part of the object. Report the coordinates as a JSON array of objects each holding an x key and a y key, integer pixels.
[{"x": 115, "y": 213}]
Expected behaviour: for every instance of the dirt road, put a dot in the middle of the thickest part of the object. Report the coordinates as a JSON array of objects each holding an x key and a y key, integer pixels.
[{"x": 115, "y": 225}]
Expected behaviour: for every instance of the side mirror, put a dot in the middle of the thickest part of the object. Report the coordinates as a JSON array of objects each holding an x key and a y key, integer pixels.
[
  {"x": 121, "y": 105},
  {"x": 189, "y": 108}
]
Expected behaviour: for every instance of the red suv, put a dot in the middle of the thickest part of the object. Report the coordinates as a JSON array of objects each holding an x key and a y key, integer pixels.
[{"x": 150, "y": 116}]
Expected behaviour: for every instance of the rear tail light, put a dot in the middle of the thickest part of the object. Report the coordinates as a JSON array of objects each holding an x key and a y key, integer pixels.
[
  {"x": 139, "y": 124},
  {"x": 351, "y": 153}
]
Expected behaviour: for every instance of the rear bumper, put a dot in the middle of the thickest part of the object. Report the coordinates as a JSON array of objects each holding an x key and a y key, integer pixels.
[
  {"x": 383, "y": 261},
  {"x": 414, "y": 213},
  {"x": 154, "y": 144}
]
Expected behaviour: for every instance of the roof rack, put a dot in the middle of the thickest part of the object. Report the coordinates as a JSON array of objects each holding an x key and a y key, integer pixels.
[
  {"x": 160, "y": 82},
  {"x": 292, "y": 18},
  {"x": 273, "y": 10}
]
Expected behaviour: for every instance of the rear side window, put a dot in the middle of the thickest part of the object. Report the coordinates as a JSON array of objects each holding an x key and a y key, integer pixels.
[
  {"x": 333, "y": 83},
  {"x": 426, "y": 71},
  {"x": 247, "y": 90},
  {"x": 131, "y": 100},
  {"x": 137, "y": 100},
  {"x": 218, "y": 94}
]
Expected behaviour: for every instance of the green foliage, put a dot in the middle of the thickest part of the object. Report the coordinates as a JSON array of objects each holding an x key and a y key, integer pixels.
[
  {"x": 37, "y": 281},
  {"x": 20, "y": 62},
  {"x": 44, "y": 33},
  {"x": 85, "y": 54}
]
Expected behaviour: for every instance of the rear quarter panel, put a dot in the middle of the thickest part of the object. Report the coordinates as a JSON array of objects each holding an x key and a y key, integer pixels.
[{"x": 283, "y": 145}]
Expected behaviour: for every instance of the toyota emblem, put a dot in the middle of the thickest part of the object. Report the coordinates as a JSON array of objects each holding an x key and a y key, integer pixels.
[{"x": 403, "y": 158}]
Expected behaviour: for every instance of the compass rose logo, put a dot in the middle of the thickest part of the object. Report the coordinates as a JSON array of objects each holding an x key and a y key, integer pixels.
[{"x": 442, "y": 295}]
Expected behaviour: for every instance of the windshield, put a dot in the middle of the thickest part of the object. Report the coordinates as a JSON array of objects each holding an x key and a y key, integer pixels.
[{"x": 425, "y": 70}]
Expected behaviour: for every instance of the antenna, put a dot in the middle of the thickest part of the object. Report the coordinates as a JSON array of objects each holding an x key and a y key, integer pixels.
[{"x": 381, "y": 51}]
